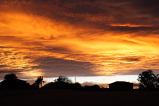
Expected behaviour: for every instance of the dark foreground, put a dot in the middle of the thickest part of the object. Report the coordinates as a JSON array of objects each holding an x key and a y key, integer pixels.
[{"x": 78, "y": 98}]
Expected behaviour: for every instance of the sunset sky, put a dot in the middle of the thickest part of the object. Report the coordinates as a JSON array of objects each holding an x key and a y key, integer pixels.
[{"x": 78, "y": 37}]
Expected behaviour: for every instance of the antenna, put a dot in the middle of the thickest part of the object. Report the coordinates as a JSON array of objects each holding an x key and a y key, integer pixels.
[{"x": 75, "y": 79}]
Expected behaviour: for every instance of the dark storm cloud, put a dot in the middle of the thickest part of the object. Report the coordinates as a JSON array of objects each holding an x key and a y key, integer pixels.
[
  {"x": 58, "y": 67},
  {"x": 98, "y": 14},
  {"x": 147, "y": 6}
]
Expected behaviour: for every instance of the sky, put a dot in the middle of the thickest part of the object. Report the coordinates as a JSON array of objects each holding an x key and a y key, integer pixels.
[{"x": 78, "y": 37}]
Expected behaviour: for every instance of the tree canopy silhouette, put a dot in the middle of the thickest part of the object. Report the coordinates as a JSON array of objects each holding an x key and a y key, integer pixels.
[
  {"x": 10, "y": 77},
  {"x": 148, "y": 80},
  {"x": 61, "y": 82},
  {"x": 12, "y": 82},
  {"x": 63, "y": 79}
]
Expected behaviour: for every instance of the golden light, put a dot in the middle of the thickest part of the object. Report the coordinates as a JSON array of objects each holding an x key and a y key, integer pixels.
[
  {"x": 33, "y": 73},
  {"x": 110, "y": 52}
]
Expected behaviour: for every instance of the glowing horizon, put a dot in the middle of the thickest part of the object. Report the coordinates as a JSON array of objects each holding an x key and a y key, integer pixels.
[{"x": 99, "y": 79}]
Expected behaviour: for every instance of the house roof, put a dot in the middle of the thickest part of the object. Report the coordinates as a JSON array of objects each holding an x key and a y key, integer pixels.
[{"x": 120, "y": 82}]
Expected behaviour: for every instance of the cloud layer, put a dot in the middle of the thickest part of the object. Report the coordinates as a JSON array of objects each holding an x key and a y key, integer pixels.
[{"x": 90, "y": 37}]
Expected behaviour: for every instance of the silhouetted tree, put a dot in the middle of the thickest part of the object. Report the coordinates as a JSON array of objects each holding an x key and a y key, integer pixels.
[
  {"x": 10, "y": 77},
  {"x": 62, "y": 79},
  {"x": 62, "y": 82},
  {"x": 38, "y": 82},
  {"x": 148, "y": 80},
  {"x": 12, "y": 82}
]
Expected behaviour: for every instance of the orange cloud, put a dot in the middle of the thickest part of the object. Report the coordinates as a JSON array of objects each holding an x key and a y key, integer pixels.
[{"x": 27, "y": 37}]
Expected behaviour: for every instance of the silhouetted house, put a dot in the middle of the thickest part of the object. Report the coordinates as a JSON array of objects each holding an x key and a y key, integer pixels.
[{"x": 121, "y": 85}]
